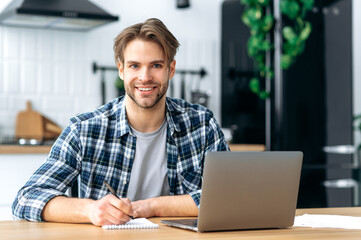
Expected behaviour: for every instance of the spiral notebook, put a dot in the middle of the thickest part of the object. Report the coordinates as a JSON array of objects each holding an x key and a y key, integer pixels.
[{"x": 138, "y": 223}]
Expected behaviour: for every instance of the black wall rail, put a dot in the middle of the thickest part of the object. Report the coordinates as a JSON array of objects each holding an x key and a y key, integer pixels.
[
  {"x": 202, "y": 73},
  {"x": 102, "y": 70}
]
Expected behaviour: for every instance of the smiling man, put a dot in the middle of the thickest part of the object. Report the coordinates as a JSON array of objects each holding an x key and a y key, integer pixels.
[{"x": 148, "y": 147}]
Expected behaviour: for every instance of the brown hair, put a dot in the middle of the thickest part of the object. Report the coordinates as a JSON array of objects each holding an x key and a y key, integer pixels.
[{"x": 151, "y": 30}]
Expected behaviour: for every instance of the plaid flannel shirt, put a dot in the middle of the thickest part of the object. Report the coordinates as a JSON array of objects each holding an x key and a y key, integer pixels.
[{"x": 99, "y": 146}]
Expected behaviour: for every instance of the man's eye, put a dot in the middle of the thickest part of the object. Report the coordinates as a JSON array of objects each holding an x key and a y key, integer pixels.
[
  {"x": 157, "y": 65},
  {"x": 134, "y": 66}
]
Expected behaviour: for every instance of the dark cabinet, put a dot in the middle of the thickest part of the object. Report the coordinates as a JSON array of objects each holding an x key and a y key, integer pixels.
[
  {"x": 242, "y": 111},
  {"x": 316, "y": 102}
]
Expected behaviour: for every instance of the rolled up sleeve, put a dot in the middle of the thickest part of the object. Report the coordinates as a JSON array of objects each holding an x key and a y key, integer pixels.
[
  {"x": 196, "y": 195},
  {"x": 51, "y": 179},
  {"x": 215, "y": 143}
]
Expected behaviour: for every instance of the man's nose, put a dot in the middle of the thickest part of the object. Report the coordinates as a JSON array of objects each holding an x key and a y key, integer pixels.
[{"x": 145, "y": 74}]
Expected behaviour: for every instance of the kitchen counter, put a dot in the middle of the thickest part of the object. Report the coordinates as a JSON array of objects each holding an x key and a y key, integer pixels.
[
  {"x": 247, "y": 147},
  {"x": 27, "y": 149},
  {"x": 24, "y": 149}
]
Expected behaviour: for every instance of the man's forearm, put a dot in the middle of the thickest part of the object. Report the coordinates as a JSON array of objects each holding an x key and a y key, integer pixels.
[
  {"x": 70, "y": 210},
  {"x": 105, "y": 211},
  {"x": 75, "y": 210},
  {"x": 181, "y": 205}
]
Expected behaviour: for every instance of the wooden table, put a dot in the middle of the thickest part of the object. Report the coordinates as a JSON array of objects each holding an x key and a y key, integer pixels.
[{"x": 30, "y": 230}]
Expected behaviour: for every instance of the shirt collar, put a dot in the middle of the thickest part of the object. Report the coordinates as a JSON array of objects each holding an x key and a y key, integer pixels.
[
  {"x": 172, "y": 111},
  {"x": 122, "y": 126}
]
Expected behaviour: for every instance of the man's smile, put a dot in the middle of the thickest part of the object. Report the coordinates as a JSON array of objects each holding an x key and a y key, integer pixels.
[{"x": 146, "y": 90}]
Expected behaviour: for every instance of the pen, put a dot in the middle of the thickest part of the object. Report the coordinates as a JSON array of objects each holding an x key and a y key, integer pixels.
[{"x": 113, "y": 192}]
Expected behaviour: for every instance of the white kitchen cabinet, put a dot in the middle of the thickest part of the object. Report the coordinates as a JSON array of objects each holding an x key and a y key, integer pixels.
[{"x": 15, "y": 170}]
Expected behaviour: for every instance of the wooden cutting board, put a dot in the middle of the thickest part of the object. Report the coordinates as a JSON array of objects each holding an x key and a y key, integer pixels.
[{"x": 32, "y": 125}]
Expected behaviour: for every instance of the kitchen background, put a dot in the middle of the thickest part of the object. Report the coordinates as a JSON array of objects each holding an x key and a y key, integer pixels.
[{"x": 53, "y": 69}]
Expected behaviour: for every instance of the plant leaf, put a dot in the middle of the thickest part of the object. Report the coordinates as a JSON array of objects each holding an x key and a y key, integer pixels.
[
  {"x": 267, "y": 23},
  {"x": 290, "y": 8},
  {"x": 301, "y": 48},
  {"x": 245, "y": 19},
  {"x": 265, "y": 45},
  {"x": 263, "y": 2},
  {"x": 286, "y": 61},
  {"x": 283, "y": 6},
  {"x": 308, "y": 4},
  {"x": 247, "y": 2},
  {"x": 254, "y": 85},
  {"x": 289, "y": 35},
  {"x": 305, "y": 31},
  {"x": 254, "y": 14},
  {"x": 252, "y": 50},
  {"x": 264, "y": 94},
  {"x": 288, "y": 48}
]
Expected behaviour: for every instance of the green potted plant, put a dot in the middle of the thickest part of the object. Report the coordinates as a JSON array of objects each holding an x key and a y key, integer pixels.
[{"x": 295, "y": 31}]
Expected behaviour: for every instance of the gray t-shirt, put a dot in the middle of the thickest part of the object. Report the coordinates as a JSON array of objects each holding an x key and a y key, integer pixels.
[{"x": 149, "y": 172}]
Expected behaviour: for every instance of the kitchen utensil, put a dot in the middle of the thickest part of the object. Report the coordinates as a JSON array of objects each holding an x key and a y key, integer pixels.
[{"x": 32, "y": 125}]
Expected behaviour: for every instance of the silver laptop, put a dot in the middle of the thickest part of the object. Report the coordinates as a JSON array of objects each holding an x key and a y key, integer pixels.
[{"x": 246, "y": 190}]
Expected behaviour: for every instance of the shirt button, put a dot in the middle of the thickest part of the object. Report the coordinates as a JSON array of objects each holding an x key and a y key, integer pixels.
[{"x": 124, "y": 182}]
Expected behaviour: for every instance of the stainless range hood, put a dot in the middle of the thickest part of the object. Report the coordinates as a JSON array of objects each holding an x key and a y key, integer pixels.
[{"x": 77, "y": 15}]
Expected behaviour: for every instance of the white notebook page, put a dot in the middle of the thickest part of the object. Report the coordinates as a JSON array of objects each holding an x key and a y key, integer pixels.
[
  {"x": 327, "y": 221},
  {"x": 137, "y": 223}
]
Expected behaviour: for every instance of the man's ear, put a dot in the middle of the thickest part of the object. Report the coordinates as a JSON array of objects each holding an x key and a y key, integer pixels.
[
  {"x": 120, "y": 69},
  {"x": 172, "y": 69}
]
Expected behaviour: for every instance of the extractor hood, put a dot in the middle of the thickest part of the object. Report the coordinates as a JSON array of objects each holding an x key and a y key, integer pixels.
[{"x": 77, "y": 15}]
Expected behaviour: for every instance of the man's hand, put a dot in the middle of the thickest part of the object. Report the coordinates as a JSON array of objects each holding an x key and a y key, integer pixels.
[{"x": 110, "y": 210}]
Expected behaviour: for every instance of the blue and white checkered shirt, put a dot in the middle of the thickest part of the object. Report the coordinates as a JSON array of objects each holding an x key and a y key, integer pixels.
[{"x": 99, "y": 146}]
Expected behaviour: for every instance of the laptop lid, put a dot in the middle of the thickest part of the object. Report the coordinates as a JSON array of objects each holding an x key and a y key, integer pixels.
[{"x": 248, "y": 190}]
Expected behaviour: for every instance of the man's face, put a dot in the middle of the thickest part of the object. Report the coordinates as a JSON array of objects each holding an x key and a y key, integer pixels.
[{"x": 145, "y": 73}]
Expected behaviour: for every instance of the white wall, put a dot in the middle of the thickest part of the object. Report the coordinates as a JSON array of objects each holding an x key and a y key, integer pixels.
[{"x": 52, "y": 68}]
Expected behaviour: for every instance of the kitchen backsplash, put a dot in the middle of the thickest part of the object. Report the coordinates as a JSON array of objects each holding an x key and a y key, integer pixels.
[{"x": 49, "y": 68}]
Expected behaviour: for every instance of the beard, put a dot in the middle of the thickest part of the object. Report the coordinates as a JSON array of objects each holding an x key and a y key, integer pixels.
[{"x": 151, "y": 101}]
